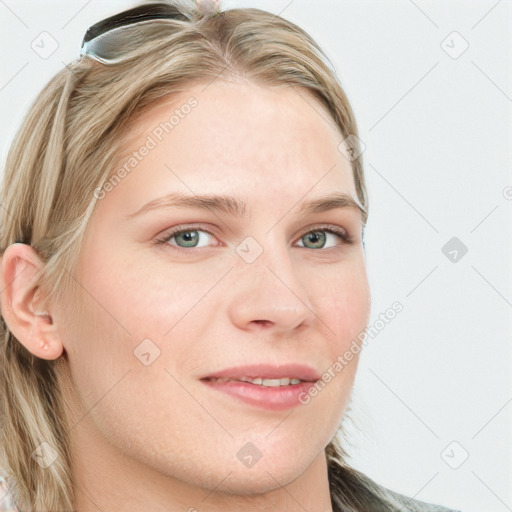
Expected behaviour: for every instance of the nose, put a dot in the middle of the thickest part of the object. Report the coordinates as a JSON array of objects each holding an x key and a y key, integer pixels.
[{"x": 268, "y": 295}]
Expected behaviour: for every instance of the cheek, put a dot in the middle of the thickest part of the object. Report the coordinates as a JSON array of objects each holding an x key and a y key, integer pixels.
[
  {"x": 117, "y": 391},
  {"x": 343, "y": 303},
  {"x": 129, "y": 308},
  {"x": 140, "y": 297}
]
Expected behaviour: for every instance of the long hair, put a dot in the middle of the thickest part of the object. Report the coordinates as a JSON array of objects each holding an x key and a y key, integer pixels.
[{"x": 63, "y": 152}]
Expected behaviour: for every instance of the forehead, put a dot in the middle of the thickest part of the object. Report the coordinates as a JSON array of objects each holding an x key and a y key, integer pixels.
[
  {"x": 239, "y": 109},
  {"x": 229, "y": 102},
  {"x": 241, "y": 138}
]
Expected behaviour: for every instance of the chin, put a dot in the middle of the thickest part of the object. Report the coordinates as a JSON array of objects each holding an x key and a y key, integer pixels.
[{"x": 260, "y": 481}]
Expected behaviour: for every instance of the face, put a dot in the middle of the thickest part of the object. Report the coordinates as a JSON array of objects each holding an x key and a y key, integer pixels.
[{"x": 164, "y": 310}]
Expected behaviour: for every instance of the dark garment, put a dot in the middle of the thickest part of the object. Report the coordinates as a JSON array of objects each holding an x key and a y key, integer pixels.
[
  {"x": 354, "y": 491},
  {"x": 412, "y": 505}
]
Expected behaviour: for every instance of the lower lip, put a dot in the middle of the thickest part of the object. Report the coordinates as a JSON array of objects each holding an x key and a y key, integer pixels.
[{"x": 267, "y": 397}]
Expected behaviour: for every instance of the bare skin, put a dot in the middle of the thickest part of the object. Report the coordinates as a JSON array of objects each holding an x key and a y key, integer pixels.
[{"x": 155, "y": 437}]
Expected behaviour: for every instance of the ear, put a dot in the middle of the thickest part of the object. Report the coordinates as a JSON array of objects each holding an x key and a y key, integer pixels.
[{"x": 25, "y": 309}]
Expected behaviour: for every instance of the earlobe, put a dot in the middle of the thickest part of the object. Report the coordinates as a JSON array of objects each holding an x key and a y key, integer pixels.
[{"x": 26, "y": 314}]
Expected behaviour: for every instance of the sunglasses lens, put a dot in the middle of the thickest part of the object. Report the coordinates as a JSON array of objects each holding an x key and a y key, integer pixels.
[
  {"x": 110, "y": 46},
  {"x": 110, "y": 38}
]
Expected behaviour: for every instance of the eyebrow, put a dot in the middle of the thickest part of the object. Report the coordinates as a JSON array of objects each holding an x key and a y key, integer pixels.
[{"x": 234, "y": 207}]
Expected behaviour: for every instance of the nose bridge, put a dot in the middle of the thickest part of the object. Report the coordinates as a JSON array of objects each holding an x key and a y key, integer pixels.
[{"x": 268, "y": 289}]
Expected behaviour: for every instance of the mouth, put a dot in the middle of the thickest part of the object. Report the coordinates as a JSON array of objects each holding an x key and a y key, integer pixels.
[
  {"x": 268, "y": 372},
  {"x": 264, "y": 386},
  {"x": 259, "y": 381}
]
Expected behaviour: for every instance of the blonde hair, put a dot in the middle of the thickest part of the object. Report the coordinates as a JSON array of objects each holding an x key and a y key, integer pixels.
[{"x": 64, "y": 150}]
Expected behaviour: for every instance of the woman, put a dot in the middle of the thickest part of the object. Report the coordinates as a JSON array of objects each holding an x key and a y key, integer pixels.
[{"x": 182, "y": 267}]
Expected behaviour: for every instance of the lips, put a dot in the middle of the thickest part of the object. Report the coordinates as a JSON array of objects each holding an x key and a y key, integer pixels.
[
  {"x": 274, "y": 393},
  {"x": 266, "y": 372}
]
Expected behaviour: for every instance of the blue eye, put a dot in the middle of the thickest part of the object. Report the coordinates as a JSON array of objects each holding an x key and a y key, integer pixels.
[
  {"x": 320, "y": 236},
  {"x": 190, "y": 238}
]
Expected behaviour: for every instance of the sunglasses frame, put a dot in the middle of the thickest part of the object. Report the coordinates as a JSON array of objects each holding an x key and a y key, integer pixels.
[{"x": 144, "y": 13}]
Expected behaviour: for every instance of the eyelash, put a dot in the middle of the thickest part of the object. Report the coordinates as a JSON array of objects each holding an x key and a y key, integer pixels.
[{"x": 345, "y": 237}]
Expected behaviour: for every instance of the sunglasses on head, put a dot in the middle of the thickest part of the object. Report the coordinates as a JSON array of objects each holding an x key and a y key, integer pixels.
[{"x": 105, "y": 40}]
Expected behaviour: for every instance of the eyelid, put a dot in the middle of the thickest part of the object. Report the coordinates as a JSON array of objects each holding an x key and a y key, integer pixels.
[
  {"x": 332, "y": 228},
  {"x": 164, "y": 239}
]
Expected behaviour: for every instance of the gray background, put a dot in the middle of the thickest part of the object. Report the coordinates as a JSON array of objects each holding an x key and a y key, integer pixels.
[{"x": 432, "y": 401}]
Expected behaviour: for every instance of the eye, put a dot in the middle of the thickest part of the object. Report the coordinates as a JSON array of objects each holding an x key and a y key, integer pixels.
[
  {"x": 189, "y": 237},
  {"x": 320, "y": 234}
]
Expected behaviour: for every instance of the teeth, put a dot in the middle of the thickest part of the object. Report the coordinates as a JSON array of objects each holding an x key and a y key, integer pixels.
[{"x": 285, "y": 381}]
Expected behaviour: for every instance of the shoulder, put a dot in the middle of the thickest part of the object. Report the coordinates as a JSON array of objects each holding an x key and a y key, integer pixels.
[
  {"x": 354, "y": 490},
  {"x": 411, "y": 504}
]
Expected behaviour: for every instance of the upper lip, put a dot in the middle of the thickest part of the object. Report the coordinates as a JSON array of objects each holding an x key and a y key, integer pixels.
[{"x": 267, "y": 371}]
